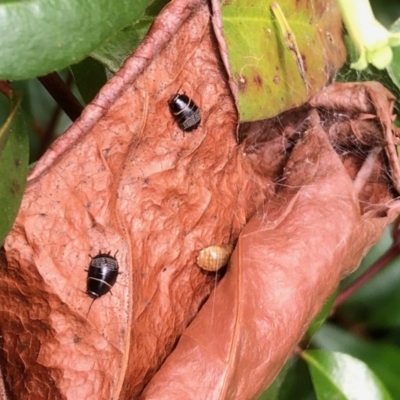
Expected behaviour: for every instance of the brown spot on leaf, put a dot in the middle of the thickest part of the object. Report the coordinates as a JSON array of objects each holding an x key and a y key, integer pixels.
[
  {"x": 258, "y": 80},
  {"x": 15, "y": 187},
  {"x": 303, "y": 56},
  {"x": 242, "y": 83}
]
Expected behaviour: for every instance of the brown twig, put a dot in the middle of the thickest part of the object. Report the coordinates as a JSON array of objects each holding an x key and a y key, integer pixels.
[{"x": 62, "y": 94}]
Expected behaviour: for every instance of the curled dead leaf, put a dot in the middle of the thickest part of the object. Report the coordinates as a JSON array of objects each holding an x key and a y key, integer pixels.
[{"x": 288, "y": 260}]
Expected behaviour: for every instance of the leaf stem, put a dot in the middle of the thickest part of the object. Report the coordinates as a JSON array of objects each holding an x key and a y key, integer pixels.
[{"x": 62, "y": 94}]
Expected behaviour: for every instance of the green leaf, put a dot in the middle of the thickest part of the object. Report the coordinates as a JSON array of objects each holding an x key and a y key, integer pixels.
[
  {"x": 342, "y": 377},
  {"x": 278, "y": 59},
  {"x": 272, "y": 393},
  {"x": 13, "y": 167},
  {"x": 113, "y": 53},
  {"x": 376, "y": 304},
  {"x": 292, "y": 382},
  {"x": 382, "y": 358},
  {"x": 322, "y": 316},
  {"x": 37, "y": 37},
  {"x": 38, "y": 109},
  {"x": 385, "y": 10},
  {"x": 90, "y": 77},
  {"x": 394, "y": 68},
  {"x": 5, "y": 130}
]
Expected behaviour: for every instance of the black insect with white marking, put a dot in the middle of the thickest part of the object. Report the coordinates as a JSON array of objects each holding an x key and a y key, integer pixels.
[
  {"x": 185, "y": 112},
  {"x": 102, "y": 275}
]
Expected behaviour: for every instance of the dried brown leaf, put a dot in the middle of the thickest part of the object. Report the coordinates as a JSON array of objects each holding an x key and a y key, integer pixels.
[
  {"x": 289, "y": 259},
  {"x": 125, "y": 178}
]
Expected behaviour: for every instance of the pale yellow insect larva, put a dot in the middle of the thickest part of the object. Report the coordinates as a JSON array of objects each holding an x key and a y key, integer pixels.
[{"x": 213, "y": 258}]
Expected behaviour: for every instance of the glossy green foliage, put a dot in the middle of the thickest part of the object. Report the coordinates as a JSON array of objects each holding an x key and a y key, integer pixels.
[
  {"x": 14, "y": 160},
  {"x": 380, "y": 356},
  {"x": 343, "y": 377},
  {"x": 37, "y": 37},
  {"x": 116, "y": 49}
]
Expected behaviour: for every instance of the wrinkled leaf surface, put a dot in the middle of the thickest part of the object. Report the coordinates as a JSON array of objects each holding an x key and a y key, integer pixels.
[{"x": 272, "y": 281}]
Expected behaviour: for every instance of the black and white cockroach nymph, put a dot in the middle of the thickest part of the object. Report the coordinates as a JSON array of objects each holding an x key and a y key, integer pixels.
[
  {"x": 102, "y": 275},
  {"x": 185, "y": 112}
]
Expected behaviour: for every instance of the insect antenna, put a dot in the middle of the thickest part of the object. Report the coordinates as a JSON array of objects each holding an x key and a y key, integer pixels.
[
  {"x": 179, "y": 88},
  {"x": 90, "y": 307}
]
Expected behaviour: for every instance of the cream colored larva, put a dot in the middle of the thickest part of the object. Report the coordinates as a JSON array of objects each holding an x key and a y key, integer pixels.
[{"x": 213, "y": 258}]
